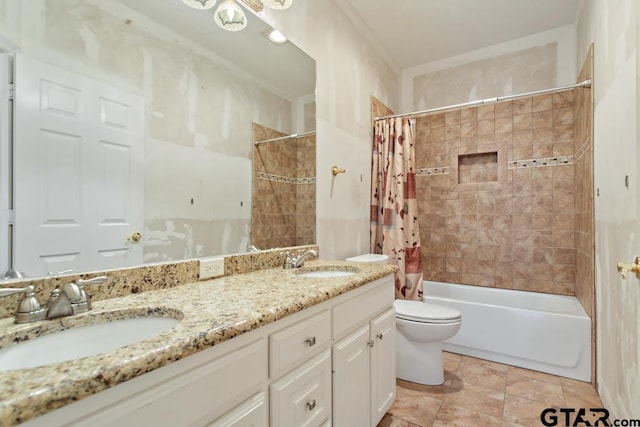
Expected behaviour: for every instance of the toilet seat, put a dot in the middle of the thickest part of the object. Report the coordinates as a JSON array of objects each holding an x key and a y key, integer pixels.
[{"x": 424, "y": 312}]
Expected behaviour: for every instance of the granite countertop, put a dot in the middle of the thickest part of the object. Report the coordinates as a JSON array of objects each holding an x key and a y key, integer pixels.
[{"x": 211, "y": 312}]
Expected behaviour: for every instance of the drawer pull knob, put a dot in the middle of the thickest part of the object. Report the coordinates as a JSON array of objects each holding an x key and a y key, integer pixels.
[
  {"x": 370, "y": 343},
  {"x": 310, "y": 341},
  {"x": 380, "y": 336},
  {"x": 311, "y": 405}
]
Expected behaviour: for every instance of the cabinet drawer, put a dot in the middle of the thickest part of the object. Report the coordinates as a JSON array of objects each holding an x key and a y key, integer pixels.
[
  {"x": 352, "y": 313},
  {"x": 199, "y": 395},
  {"x": 302, "y": 398},
  {"x": 251, "y": 413},
  {"x": 297, "y": 343}
]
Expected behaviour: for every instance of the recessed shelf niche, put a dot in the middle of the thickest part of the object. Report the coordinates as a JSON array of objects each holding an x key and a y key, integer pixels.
[{"x": 478, "y": 168}]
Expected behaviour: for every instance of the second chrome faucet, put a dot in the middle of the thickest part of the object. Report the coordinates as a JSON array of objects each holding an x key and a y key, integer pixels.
[{"x": 297, "y": 261}]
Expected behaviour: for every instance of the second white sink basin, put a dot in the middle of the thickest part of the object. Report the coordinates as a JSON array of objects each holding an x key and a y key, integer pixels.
[
  {"x": 327, "y": 271},
  {"x": 82, "y": 341}
]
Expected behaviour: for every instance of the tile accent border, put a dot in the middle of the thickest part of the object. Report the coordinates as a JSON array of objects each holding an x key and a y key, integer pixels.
[
  {"x": 445, "y": 170},
  {"x": 517, "y": 164},
  {"x": 541, "y": 162},
  {"x": 288, "y": 179}
]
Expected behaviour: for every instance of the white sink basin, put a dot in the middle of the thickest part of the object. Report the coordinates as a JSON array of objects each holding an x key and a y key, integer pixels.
[
  {"x": 321, "y": 274},
  {"x": 82, "y": 341}
]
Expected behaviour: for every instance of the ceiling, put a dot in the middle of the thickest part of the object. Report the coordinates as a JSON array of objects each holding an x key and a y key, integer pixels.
[{"x": 414, "y": 32}]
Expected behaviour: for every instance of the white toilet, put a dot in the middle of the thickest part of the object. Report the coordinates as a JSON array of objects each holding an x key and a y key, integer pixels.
[{"x": 421, "y": 329}]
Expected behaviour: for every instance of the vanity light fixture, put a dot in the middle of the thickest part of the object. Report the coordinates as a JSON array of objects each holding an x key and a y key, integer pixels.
[
  {"x": 230, "y": 16},
  {"x": 277, "y": 4},
  {"x": 277, "y": 37},
  {"x": 200, "y": 4}
]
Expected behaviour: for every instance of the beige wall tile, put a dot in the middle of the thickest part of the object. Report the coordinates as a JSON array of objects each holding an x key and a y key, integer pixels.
[{"x": 531, "y": 218}]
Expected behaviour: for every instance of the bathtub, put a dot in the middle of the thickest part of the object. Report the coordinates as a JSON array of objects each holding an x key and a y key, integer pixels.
[{"x": 543, "y": 332}]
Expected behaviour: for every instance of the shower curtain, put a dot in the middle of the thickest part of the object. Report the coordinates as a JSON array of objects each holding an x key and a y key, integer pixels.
[{"x": 394, "y": 210}]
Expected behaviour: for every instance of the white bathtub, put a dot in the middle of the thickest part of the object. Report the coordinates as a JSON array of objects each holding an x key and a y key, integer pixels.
[{"x": 544, "y": 332}]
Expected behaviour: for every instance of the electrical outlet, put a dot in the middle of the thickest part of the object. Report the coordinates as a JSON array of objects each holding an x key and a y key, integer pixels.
[{"x": 211, "y": 267}]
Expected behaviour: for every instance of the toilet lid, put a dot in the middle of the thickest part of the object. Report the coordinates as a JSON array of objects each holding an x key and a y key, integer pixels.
[{"x": 424, "y": 312}]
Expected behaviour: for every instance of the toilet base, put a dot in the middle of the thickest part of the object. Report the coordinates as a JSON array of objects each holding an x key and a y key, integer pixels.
[{"x": 419, "y": 362}]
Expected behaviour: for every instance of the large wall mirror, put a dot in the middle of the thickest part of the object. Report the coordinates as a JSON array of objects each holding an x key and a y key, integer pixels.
[{"x": 143, "y": 116}]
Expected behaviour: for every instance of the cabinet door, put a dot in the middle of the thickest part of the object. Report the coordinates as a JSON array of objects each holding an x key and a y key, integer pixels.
[
  {"x": 251, "y": 413},
  {"x": 351, "y": 400},
  {"x": 383, "y": 364}
]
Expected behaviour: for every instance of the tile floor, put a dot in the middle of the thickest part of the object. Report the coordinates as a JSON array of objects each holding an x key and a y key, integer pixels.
[{"x": 477, "y": 392}]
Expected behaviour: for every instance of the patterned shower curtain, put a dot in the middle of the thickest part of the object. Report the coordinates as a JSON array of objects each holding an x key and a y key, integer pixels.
[{"x": 394, "y": 210}]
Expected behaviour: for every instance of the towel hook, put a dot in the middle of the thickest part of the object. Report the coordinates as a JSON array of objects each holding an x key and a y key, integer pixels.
[{"x": 336, "y": 170}]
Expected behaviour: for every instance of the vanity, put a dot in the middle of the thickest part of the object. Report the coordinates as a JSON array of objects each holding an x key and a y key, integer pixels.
[{"x": 271, "y": 347}]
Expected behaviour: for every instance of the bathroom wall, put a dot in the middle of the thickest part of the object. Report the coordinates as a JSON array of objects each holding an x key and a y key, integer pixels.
[
  {"x": 612, "y": 27},
  {"x": 349, "y": 70},
  {"x": 538, "y": 61},
  {"x": 283, "y": 203},
  {"x": 496, "y": 194}
]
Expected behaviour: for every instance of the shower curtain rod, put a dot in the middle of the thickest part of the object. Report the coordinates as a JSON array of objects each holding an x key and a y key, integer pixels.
[
  {"x": 293, "y": 135},
  {"x": 585, "y": 83}
]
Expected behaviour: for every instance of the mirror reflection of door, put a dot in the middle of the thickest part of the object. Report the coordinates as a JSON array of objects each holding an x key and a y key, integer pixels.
[
  {"x": 202, "y": 89},
  {"x": 78, "y": 171}
]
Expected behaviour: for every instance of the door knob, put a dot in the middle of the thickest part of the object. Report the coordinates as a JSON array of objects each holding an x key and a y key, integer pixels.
[{"x": 135, "y": 237}]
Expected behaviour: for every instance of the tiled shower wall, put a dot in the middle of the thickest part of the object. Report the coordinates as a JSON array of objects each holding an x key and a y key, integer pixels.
[
  {"x": 497, "y": 197},
  {"x": 585, "y": 256},
  {"x": 284, "y": 191},
  {"x": 584, "y": 207}
]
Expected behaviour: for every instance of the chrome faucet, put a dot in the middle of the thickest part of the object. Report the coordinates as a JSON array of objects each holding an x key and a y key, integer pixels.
[
  {"x": 252, "y": 248},
  {"x": 72, "y": 299},
  {"x": 297, "y": 261}
]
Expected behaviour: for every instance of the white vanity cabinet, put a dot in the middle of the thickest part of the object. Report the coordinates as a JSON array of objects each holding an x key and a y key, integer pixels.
[
  {"x": 330, "y": 364},
  {"x": 364, "y": 368}
]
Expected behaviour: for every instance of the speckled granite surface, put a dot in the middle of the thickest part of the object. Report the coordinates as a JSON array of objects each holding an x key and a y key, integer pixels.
[
  {"x": 212, "y": 312},
  {"x": 144, "y": 278}
]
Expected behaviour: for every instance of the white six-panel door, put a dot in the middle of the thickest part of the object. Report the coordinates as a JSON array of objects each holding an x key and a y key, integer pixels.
[{"x": 78, "y": 171}]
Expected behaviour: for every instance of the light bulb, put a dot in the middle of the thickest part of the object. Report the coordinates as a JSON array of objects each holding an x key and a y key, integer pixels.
[
  {"x": 230, "y": 16},
  {"x": 200, "y": 4},
  {"x": 277, "y": 4},
  {"x": 277, "y": 37}
]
